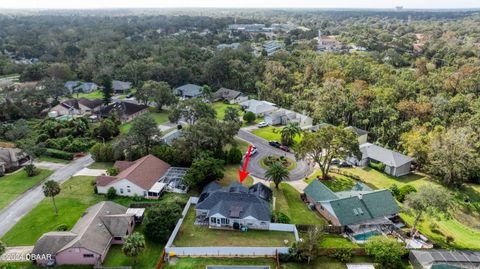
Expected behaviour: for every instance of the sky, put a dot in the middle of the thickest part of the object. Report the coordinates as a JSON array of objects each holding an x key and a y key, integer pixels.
[{"x": 86, "y": 4}]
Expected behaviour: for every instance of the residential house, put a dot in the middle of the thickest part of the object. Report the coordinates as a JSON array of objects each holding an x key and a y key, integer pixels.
[
  {"x": 121, "y": 87},
  {"x": 259, "y": 108},
  {"x": 439, "y": 258},
  {"x": 189, "y": 91},
  {"x": 271, "y": 47},
  {"x": 12, "y": 159},
  {"x": 362, "y": 135},
  {"x": 70, "y": 85},
  {"x": 396, "y": 164},
  {"x": 231, "y": 96},
  {"x": 358, "y": 206},
  {"x": 283, "y": 116},
  {"x": 89, "y": 241},
  {"x": 328, "y": 43},
  {"x": 73, "y": 107},
  {"x": 234, "y": 207},
  {"x": 148, "y": 177},
  {"x": 126, "y": 111},
  {"x": 81, "y": 87},
  {"x": 228, "y": 46},
  {"x": 251, "y": 28}
]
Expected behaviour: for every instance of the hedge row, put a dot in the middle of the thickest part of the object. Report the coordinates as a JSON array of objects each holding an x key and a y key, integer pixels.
[{"x": 59, "y": 154}]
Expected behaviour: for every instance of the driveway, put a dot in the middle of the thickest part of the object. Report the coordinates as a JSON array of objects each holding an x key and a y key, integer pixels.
[
  {"x": 264, "y": 149},
  {"x": 16, "y": 254},
  {"x": 91, "y": 172},
  {"x": 10, "y": 215},
  {"x": 50, "y": 165}
]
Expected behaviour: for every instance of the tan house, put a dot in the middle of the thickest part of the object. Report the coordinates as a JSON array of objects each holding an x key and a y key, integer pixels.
[
  {"x": 89, "y": 241},
  {"x": 74, "y": 107}
]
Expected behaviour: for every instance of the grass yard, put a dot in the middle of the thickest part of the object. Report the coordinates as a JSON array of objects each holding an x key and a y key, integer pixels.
[
  {"x": 201, "y": 263},
  {"x": 100, "y": 165},
  {"x": 12, "y": 185},
  {"x": 272, "y": 133},
  {"x": 291, "y": 166},
  {"x": 191, "y": 235},
  {"x": 51, "y": 160},
  {"x": 91, "y": 95},
  {"x": 339, "y": 183},
  {"x": 231, "y": 175},
  {"x": 158, "y": 117},
  {"x": 220, "y": 107},
  {"x": 148, "y": 259},
  {"x": 256, "y": 121},
  {"x": 288, "y": 202},
  {"x": 325, "y": 263},
  {"x": 464, "y": 236},
  {"x": 336, "y": 241},
  {"x": 76, "y": 196}
]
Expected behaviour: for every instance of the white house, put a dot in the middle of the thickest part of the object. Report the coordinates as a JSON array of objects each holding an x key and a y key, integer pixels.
[
  {"x": 259, "y": 108},
  {"x": 148, "y": 177},
  {"x": 283, "y": 116}
]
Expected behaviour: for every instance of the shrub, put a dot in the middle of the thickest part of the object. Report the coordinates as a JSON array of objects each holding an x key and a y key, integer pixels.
[
  {"x": 394, "y": 190},
  {"x": 59, "y": 154},
  {"x": 31, "y": 170},
  {"x": 102, "y": 152},
  {"x": 280, "y": 217},
  {"x": 342, "y": 254},
  {"x": 449, "y": 239},
  {"x": 113, "y": 171},
  {"x": 137, "y": 198},
  {"x": 161, "y": 220},
  {"x": 249, "y": 117},
  {"x": 42, "y": 138},
  {"x": 386, "y": 251},
  {"x": 62, "y": 228},
  {"x": 111, "y": 193},
  {"x": 404, "y": 191},
  {"x": 377, "y": 166},
  {"x": 234, "y": 156}
]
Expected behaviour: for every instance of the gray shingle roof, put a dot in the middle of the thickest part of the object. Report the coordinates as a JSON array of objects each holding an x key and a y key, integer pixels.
[
  {"x": 118, "y": 85},
  {"x": 386, "y": 156},
  {"x": 190, "y": 90},
  {"x": 236, "y": 201},
  {"x": 226, "y": 94}
]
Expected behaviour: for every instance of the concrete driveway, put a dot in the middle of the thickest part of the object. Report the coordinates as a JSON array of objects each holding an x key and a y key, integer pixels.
[
  {"x": 50, "y": 165},
  {"x": 91, "y": 172},
  {"x": 264, "y": 149}
]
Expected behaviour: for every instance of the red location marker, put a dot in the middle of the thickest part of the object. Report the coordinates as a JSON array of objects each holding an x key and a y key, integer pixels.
[{"x": 243, "y": 174}]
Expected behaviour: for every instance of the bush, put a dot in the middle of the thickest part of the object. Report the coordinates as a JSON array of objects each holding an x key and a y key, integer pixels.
[
  {"x": 59, "y": 154},
  {"x": 377, "y": 166},
  {"x": 386, "y": 251},
  {"x": 62, "y": 228},
  {"x": 161, "y": 220},
  {"x": 31, "y": 170},
  {"x": 113, "y": 171},
  {"x": 249, "y": 117},
  {"x": 234, "y": 156},
  {"x": 102, "y": 152},
  {"x": 279, "y": 217},
  {"x": 449, "y": 239},
  {"x": 111, "y": 193},
  {"x": 394, "y": 190},
  {"x": 343, "y": 254},
  {"x": 404, "y": 191},
  {"x": 42, "y": 138}
]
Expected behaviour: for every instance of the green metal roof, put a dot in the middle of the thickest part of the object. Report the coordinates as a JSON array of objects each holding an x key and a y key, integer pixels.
[{"x": 319, "y": 192}]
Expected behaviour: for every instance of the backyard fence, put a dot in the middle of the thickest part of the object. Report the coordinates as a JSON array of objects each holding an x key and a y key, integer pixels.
[
  {"x": 227, "y": 251},
  {"x": 191, "y": 200},
  {"x": 327, "y": 229},
  {"x": 284, "y": 228}
]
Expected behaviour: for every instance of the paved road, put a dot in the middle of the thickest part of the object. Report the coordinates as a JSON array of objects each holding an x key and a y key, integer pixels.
[
  {"x": 10, "y": 215},
  {"x": 264, "y": 149}
]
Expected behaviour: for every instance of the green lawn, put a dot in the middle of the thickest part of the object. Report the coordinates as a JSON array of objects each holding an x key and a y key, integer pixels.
[
  {"x": 337, "y": 183},
  {"x": 231, "y": 175},
  {"x": 325, "y": 263},
  {"x": 100, "y": 165},
  {"x": 220, "y": 107},
  {"x": 148, "y": 259},
  {"x": 464, "y": 236},
  {"x": 272, "y": 133},
  {"x": 91, "y": 95},
  {"x": 201, "y": 263},
  {"x": 12, "y": 185},
  {"x": 288, "y": 202},
  {"x": 195, "y": 235},
  {"x": 76, "y": 195},
  {"x": 336, "y": 241},
  {"x": 256, "y": 121},
  {"x": 158, "y": 117}
]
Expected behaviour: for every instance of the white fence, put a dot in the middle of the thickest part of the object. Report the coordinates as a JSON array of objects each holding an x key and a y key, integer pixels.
[{"x": 226, "y": 251}]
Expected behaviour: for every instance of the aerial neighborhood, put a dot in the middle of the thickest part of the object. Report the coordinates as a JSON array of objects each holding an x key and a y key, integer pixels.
[{"x": 239, "y": 138}]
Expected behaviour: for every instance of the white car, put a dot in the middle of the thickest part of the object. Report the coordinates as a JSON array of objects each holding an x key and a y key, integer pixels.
[
  {"x": 262, "y": 124},
  {"x": 254, "y": 150}
]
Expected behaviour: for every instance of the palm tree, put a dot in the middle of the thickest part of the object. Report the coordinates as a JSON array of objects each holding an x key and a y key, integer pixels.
[
  {"x": 276, "y": 173},
  {"x": 134, "y": 245},
  {"x": 289, "y": 132},
  {"x": 51, "y": 189}
]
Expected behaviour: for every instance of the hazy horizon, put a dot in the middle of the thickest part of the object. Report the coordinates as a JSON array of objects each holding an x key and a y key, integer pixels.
[{"x": 327, "y": 4}]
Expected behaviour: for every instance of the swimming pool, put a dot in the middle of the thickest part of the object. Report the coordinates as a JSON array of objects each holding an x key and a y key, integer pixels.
[{"x": 365, "y": 236}]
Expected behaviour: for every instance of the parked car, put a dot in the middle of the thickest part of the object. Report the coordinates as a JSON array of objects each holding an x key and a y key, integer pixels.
[
  {"x": 262, "y": 124},
  {"x": 335, "y": 162},
  {"x": 285, "y": 148},
  {"x": 274, "y": 143},
  {"x": 345, "y": 165},
  {"x": 129, "y": 95},
  {"x": 252, "y": 152}
]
